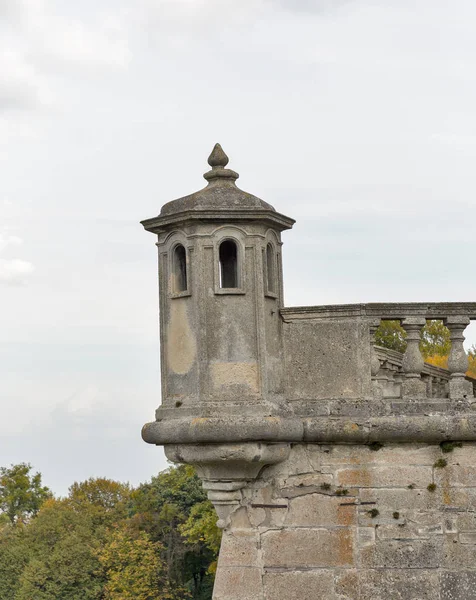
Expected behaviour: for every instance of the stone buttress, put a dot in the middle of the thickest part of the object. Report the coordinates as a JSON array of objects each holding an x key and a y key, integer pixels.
[{"x": 338, "y": 469}]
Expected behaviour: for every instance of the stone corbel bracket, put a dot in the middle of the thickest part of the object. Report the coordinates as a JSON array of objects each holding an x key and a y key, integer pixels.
[{"x": 225, "y": 469}]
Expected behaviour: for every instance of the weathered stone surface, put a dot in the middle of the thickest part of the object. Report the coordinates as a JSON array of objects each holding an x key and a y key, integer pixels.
[
  {"x": 299, "y": 584},
  {"x": 239, "y": 548},
  {"x": 383, "y": 476},
  {"x": 238, "y": 583},
  {"x": 314, "y": 510},
  {"x": 458, "y": 585},
  {"x": 298, "y": 548},
  {"x": 396, "y": 584}
]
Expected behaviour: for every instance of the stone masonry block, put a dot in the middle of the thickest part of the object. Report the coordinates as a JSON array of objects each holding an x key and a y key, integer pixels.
[
  {"x": 316, "y": 510},
  {"x": 458, "y": 585},
  {"x": 391, "y": 454},
  {"x": 346, "y": 584},
  {"x": 305, "y": 585},
  {"x": 304, "y": 548},
  {"x": 401, "y": 498},
  {"x": 403, "y": 554},
  {"x": 238, "y": 583},
  {"x": 239, "y": 549},
  {"x": 457, "y": 555},
  {"x": 384, "y": 476},
  {"x": 398, "y": 584},
  {"x": 456, "y": 476}
]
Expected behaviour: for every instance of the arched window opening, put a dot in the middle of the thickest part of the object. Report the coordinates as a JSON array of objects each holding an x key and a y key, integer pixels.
[
  {"x": 180, "y": 269},
  {"x": 271, "y": 269},
  {"x": 228, "y": 255}
]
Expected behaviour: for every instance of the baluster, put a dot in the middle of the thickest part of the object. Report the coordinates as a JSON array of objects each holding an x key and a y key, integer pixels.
[
  {"x": 413, "y": 386},
  {"x": 377, "y": 383},
  {"x": 458, "y": 359}
]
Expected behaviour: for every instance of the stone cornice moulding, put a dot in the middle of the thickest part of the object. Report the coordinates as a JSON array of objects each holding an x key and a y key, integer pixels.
[
  {"x": 430, "y": 428},
  {"x": 159, "y": 224}
]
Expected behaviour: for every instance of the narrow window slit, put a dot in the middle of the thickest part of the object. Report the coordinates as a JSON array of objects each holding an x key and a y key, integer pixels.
[
  {"x": 180, "y": 269},
  {"x": 271, "y": 269},
  {"x": 228, "y": 256}
]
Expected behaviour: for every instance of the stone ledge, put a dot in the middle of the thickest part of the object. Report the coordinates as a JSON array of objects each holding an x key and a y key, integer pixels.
[
  {"x": 384, "y": 310},
  {"x": 225, "y": 430}
]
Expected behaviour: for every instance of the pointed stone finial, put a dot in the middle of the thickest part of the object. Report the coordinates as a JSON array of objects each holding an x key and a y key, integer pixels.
[
  {"x": 218, "y": 158},
  {"x": 220, "y": 175}
]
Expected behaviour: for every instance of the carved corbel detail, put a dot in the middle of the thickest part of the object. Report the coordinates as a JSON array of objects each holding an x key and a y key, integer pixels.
[{"x": 225, "y": 469}]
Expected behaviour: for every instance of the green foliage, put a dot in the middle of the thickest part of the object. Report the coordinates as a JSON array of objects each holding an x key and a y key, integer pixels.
[
  {"x": 161, "y": 508},
  {"x": 134, "y": 569},
  {"x": 63, "y": 563},
  {"x": 105, "y": 501},
  {"x": 391, "y": 335},
  {"x": 441, "y": 463},
  {"x": 375, "y": 446},
  {"x": 105, "y": 541},
  {"x": 201, "y": 527},
  {"x": 21, "y": 492},
  {"x": 435, "y": 338},
  {"x": 447, "y": 446},
  {"x": 14, "y": 556}
]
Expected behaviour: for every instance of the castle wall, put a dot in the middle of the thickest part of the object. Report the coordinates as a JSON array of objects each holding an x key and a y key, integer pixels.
[
  {"x": 341, "y": 350},
  {"x": 345, "y": 522}
]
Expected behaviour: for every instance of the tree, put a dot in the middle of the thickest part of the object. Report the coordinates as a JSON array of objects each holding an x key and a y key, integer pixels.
[
  {"x": 64, "y": 540},
  {"x": 201, "y": 526},
  {"x": 160, "y": 508},
  {"x": 21, "y": 492},
  {"x": 435, "y": 338},
  {"x": 442, "y": 361},
  {"x": 106, "y": 501},
  {"x": 472, "y": 362},
  {"x": 63, "y": 544},
  {"x": 134, "y": 569},
  {"x": 14, "y": 556},
  {"x": 391, "y": 335}
]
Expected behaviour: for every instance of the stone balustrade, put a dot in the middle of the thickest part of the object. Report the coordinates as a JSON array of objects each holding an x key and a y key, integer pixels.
[
  {"x": 389, "y": 376},
  {"x": 396, "y": 375}
]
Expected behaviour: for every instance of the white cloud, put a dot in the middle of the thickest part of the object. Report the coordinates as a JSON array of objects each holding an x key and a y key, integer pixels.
[
  {"x": 35, "y": 41},
  {"x": 21, "y": 86},
  {"x": 13, "y": 271},
  {"x": 310, "y": 6}
]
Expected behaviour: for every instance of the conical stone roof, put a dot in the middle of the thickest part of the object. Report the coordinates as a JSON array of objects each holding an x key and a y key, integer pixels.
[{"x": 220, "y": 199}]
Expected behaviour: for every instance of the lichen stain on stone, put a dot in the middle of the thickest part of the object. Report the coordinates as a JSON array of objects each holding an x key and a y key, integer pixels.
[
  {"x": 199, "y": 421},
  {"x": 181, "y": 344},
  {"x": 346, "y": 515},
  {"x": 345, "y": 547},
  {"x": 235, "y": 373}
]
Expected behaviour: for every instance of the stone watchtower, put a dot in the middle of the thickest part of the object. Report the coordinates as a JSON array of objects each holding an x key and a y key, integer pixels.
[{"x": 338, "y": 469}]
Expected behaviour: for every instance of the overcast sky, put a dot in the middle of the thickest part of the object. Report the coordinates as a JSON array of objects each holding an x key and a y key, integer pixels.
[{"x": 356, "y": 117}]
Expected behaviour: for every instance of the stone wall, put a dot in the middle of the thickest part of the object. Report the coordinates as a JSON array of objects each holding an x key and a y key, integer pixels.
[{"x": 344, "y": 522}]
